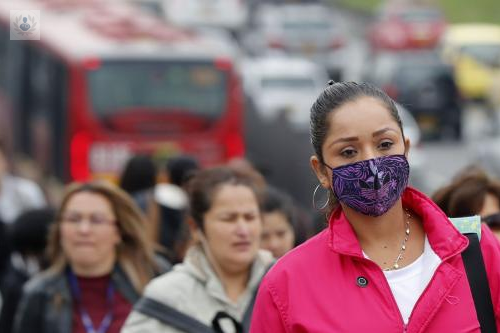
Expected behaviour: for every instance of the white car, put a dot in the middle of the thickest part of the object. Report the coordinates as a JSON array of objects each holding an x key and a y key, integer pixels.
[
  {"x": 226, "y": 14},
  {"x": 309, "y": 30},
  {"x": 283, "y": 87}
]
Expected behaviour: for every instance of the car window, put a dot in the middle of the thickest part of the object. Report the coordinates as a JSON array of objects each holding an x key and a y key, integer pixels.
[
  {"x": 420, "y": 16},
  {"x": 287, "y": 83},
  {"x": 487, "y": 54}
]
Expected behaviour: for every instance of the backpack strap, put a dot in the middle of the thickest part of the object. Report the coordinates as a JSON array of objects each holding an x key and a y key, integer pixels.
[
  {"x": 472, "y": 258},
  {"x": 223, "y": 315},
  {"x": 479, "y": 286},
  {"x": 170, "y": 316}
]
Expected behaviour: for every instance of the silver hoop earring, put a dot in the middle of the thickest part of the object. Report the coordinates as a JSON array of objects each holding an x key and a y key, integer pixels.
[{"x": 314, "y": 200}]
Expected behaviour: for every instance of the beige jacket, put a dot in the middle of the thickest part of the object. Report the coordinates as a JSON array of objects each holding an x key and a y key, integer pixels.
[{"x": 194, "y": 289}]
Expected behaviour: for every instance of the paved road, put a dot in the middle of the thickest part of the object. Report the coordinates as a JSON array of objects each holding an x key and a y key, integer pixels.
[{"x": 440, "y": 161}]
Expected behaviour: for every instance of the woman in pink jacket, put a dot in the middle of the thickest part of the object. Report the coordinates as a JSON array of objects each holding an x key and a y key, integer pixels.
[{"x": 390, "y": 260}]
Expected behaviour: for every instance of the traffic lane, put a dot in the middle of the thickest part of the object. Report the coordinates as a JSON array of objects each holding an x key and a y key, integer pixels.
[{"x": 440, "y": 161}]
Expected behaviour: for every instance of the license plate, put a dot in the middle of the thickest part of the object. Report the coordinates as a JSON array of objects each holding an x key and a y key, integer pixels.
[{"x": 308, "y": 48}]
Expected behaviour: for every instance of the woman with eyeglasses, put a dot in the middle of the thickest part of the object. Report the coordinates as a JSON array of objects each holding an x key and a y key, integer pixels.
[
  {"x": 472, "y": 192},
  {"x": 101, "y": 261}
]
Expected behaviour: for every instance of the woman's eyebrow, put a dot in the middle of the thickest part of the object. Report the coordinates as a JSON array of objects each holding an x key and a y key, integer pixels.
[
  {"x": 383, "y": 130},
  {"x": 348, "y": 139}
]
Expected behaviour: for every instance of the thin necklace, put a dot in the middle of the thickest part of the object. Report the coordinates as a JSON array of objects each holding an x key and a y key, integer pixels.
[{"x": 403, "y": 244}]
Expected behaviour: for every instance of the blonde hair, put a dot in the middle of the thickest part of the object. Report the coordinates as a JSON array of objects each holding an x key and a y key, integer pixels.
[{"x": 135, "y": 252}]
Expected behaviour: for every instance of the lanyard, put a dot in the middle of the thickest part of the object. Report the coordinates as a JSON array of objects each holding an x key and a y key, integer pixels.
[{"x": 84, "y": 315}]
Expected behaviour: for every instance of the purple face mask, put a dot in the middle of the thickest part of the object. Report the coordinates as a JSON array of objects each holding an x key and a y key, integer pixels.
[{"x": 371, "y": 187}]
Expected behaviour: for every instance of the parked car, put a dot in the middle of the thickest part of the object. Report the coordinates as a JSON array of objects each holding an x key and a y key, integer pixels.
[
  {"x": 309, "y": 30},
  {"x": 425, "y": 85},
  {"x": 406, "y": 27},
  {"x": 474, "y": 52},
  {"x": 283, "y": 87}
]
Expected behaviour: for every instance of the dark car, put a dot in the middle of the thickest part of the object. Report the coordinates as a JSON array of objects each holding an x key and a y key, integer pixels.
[{"x": 426, "y": 86}]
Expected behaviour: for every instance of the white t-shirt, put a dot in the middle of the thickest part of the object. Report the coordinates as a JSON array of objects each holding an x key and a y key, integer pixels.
[{"x": 408, "y": 283}]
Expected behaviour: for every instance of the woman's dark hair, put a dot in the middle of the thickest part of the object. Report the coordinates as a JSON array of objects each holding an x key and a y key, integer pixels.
[
  {"x": 333, "y": 97},
  {"x": 181, "y": 168},
  {"x": 203, "y": 185},
  {"x": 275, "y": 200},
  {"x": 139, "y": 174},
  {"x": 465, "y": 195},
  {"x": 30, "y": 231},
  {"x": 336, "y": 95}
]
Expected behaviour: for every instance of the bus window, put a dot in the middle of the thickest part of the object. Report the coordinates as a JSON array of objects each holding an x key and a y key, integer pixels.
[{"x": 190, "y": 88}]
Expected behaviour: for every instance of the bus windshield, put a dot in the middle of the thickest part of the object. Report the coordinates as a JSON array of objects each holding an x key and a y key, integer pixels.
[{"x": 197, "y": 88}]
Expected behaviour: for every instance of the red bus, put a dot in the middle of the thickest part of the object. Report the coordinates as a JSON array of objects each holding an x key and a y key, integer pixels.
[{"x": 105, "y": 82}]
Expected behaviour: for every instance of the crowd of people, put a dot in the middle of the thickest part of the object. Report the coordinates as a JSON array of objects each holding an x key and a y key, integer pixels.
[{"x": 184, "y": 248}]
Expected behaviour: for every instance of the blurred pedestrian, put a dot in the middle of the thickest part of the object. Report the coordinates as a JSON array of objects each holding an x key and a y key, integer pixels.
[
  {"x": 138, "y": 175},
  {"x": 101, "y": 261},
  {"x": 279, "y": 220},
  {"x": 472, "y": 192},
  {"x": 16, "y": 194},
  {"x": 28, "y": 239},
  {"x": 172, "y": 230},
  {"x": 390, "y": 260},
  {"x": 221, "y": 270},
  {"x": 180, "y": 169},
  {"x": 138, "y": 179}
]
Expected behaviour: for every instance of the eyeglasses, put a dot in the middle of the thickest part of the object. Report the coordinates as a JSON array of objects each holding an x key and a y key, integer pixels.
[
  {"x": 94, "y": 219},
  {"x": 493, "y": 220}
]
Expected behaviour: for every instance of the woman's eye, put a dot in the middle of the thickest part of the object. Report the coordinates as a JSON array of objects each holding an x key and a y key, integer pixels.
[
  {"x": 227, "y": 218},
  {"x": 386, "y": 145},
  {"x": 250, "y": 217},
  {"x": 348, "y": 152}
]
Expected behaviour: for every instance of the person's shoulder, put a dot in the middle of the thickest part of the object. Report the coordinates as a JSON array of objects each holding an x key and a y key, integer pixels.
[
  {"x": 163, "y": 264},
  {"x": 44, "y": 282},
  {"x": 299, "y": 260},
  {"x": 171, "y": 287}
]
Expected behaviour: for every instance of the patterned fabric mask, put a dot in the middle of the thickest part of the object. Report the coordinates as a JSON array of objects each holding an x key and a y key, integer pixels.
[{"x": 373, "y": 186}]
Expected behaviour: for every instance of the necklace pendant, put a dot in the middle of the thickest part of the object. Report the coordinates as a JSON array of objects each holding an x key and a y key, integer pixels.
[{"x": 396, "y": 266}]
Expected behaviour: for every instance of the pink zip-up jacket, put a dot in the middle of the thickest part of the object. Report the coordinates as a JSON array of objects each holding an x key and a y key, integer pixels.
[{"x": 327, "y": 285}]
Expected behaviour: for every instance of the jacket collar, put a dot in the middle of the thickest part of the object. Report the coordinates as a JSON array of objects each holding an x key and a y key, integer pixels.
[
  {"x": 197, "y": 264},
  {"x": 443, "y": 237}
]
